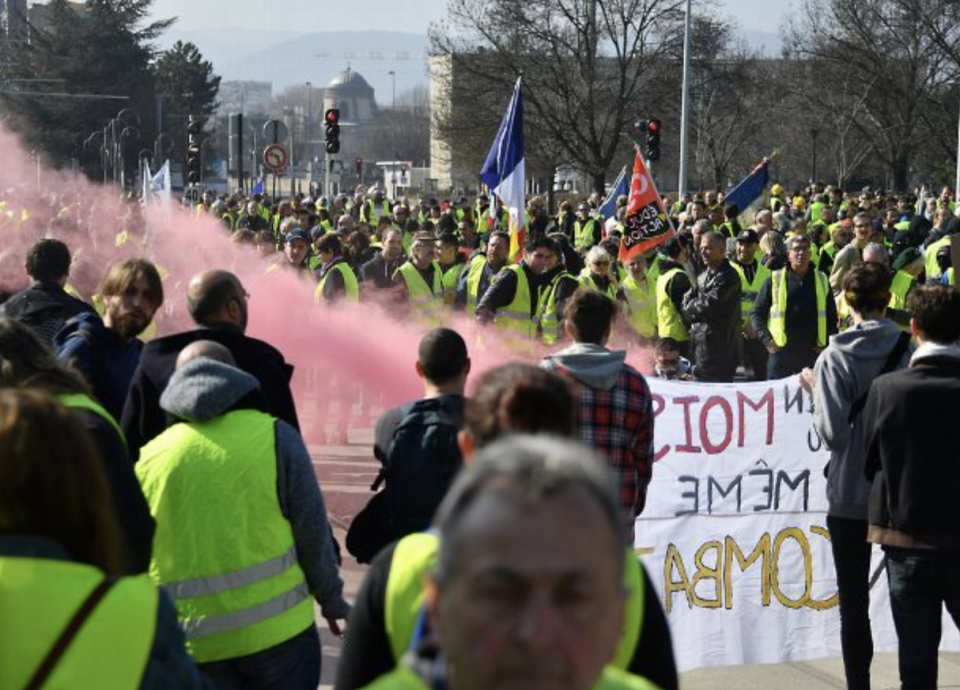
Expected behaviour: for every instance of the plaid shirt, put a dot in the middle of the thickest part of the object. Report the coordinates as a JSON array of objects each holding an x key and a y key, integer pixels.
[{"x": 618, "y": 423}]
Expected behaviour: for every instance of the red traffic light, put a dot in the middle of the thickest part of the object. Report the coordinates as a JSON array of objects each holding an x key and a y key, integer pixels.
[
  {"x": 332, "y": 116},
  {"x": 653, "y": 125}
]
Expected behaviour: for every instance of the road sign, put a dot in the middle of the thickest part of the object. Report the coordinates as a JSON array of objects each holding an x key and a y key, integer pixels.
[
  {"x": 275, "y": 132},
  {"x": 275, "y": 157},
  {"x": 193, "y": 194}
]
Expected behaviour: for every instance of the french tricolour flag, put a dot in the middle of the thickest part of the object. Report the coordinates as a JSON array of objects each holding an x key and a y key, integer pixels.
[{"x": 503, "y": 171}]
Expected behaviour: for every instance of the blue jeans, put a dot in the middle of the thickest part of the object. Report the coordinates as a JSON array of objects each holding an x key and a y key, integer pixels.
[
  {"x": 921, "y": 582},
  {"x": 294, "y": 664}
]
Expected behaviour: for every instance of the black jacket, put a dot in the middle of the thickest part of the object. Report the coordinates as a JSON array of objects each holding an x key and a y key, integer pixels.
[
  {"x": 712, "y": 308},
  {"x": 913, "y": 466},
  {"x": 44, "y": 307},
  {"x": 143, "y": 419}
]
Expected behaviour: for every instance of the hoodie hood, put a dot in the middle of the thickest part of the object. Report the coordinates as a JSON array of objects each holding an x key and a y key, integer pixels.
[
  {"x": 868, "y": 340},
  {"x": 204, "y": 389},
  {"x": 592, "y": 365}
]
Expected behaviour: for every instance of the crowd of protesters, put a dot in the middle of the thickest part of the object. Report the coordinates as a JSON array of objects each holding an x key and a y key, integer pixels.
[{"x": 821, "y": 283}]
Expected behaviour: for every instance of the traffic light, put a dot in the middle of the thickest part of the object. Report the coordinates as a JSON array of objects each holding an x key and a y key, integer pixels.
[
  {"x": 332, "y": 120},
  {"x": 653, "y": 139},
  {"x": 193, "y": 150}
]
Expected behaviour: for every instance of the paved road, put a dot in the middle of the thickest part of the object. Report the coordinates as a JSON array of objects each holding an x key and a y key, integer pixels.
[{"x": 346, "y": 472}]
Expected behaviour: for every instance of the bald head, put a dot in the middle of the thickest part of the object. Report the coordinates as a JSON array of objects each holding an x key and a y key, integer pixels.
[
  {"x": 216, "y": 297},
  {"x": 205, "y": 348}
]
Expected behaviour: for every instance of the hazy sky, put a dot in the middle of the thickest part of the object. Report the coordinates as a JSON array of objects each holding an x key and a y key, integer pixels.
[{"x": 412, "y": 16}]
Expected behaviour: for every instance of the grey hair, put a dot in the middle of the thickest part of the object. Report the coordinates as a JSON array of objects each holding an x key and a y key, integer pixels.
[
  {"x": 878, "y": 250},
  {"x": 526, "y": 470},
  {"x": 597, "y": 252}
]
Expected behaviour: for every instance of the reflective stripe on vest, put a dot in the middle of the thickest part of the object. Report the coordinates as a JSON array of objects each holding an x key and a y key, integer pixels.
[
  {"x": 669, "y": 324},
  {"x": 777, "y": 322},
  {"x": 39, "y": 596},
  {"x": 83, "y": 401},
  {"x": 748, "y": 290},
  {"x": 642, "y": 303},
  {"x": 515, "y": 318},
  {"x": 426, "y": 299},
  {"x": 233, "y": 574},
  {"x": 415, "y": 555},
  {"x": 351, "y": 287}
]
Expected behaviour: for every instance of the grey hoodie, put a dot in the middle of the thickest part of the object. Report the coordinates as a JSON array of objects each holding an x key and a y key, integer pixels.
[
  {"x": 592, "y": 365},
  {"x": 204, "y": 389},
  {"x": 843, "y": 373}
]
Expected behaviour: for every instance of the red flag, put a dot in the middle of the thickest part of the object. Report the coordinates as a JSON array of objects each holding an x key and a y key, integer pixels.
[{"x": 646, "y": 224}]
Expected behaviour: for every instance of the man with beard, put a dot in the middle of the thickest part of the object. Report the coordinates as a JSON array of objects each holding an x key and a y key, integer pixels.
[
  {"x": 378, "y": 272},
  {"x": 107, "y": 350}
]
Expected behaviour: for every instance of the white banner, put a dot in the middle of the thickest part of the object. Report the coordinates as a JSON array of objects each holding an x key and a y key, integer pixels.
[{"x": 734, "y": 531}]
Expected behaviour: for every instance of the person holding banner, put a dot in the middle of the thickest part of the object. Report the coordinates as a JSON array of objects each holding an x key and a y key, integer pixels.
[
  {"x": 840, "y": 381},
  {"x": 794, "y": 313}
]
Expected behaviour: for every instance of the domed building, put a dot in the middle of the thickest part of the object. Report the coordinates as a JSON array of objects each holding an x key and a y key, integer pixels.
[{"x": 351, "y": 93}]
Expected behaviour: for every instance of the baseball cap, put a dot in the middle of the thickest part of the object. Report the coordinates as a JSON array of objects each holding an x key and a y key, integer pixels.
[
  {"x": 298, "y": 234},
  {"x": 748, "y": 236}
]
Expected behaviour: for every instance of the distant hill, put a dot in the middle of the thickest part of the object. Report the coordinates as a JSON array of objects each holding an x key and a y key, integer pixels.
[{"x": 287, "y": 58}]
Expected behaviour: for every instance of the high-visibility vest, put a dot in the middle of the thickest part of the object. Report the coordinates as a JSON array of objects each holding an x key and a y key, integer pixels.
[
  {"x": 586, "y": 280},
  {"x": 748, "y": 290},
  {"x": 902, "y": 282},
  {"x": 415, "y": 556},
  {"x": 39, "y": 596},
  {"x": 816, "y": 210},
  {"x": 371, "y": 214},
  {"x": 85, "y": 402},
  {"x": 474, "y": 275},
  {"x": 669, "y": 324},
  {"x": 515, "y": 318},
  {"x": 450, "y": 281},
  {"x": 583, "y": 233},
  {"x": 223, "y": 549},
  {"x": 427, "y": 300},
  {"x": 930, "y": 254},
  {"x": 777, "y": 322},
  {"x": 403, "y": 678},
  {"x": 350, "y": 283},
  {"x": 642, "y": 304},
  {"x": 951, "y": 279},
  {"x": 548, "y": 310}
]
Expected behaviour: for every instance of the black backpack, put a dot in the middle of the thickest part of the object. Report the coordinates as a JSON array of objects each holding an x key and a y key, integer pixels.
[{"x": 422, "y": 460}]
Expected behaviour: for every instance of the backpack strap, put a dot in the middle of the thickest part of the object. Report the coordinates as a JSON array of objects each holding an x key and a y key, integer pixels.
[
  {"x": 896, "y": 354},
  {"x": 56, "y": 652}
]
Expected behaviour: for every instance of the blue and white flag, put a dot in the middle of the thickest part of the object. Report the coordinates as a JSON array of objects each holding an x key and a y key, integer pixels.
[
  {"x": 750, "y": 188},
  {"x": 620, "y": 188},
  {"x": 503, "y": 171},
  {"x": 258, "y": 188}
]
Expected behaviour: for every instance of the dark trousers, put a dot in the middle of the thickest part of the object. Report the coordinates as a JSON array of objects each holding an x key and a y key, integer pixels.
[
  {"x": 755, "y": 356},
  {"x": 921, "y": 582},
  {"x": 851, "y": 558},
  {"x": 293, "y": 664},
  {"x": 786, "y": 363}
]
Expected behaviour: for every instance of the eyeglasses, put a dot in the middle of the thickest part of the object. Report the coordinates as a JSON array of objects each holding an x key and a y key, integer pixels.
[{"x": 799, "y": 250}]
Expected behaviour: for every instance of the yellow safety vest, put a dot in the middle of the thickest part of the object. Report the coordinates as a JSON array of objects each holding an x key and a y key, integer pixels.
[
  {"x": 474, "y": 275},
  {"x": 748, "y": 290},
  {"x": 349, "y": 282},
  {"x": 515, "y": 318},
  {"x": 416, "y": 554},
  {"x": 450, "y": 281},
  {"x": 548, "y": 312},
  {"x": 642, "y": 303},
  {"x": 586, "y": 280},
  {"x": 669, "y": 324},
  {"x": 902, "y": 282},
  {"x": 223, "y": 550},
  {"x": 427, "y": 300},
  {"x": 403, "y": 678},
  {"x": 777, "y": 322},
  {"x": 85, "y": 402},
  {"x": 39, "y": 596},
  {"x": 583, "y": 233}
]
